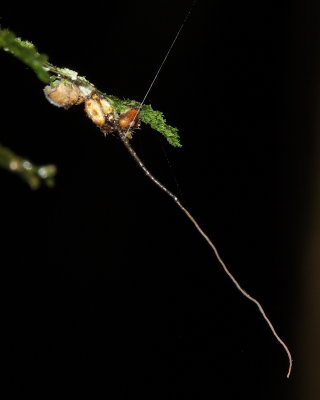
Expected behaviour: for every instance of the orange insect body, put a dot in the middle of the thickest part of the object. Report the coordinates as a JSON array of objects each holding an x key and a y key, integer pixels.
[{"x": 129, "y": 119}]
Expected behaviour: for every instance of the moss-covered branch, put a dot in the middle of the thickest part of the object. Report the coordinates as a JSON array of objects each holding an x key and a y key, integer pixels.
[
  {"x": 26, "y": 52},
  {"x": 33, "y": 174},
  {"x": 157, "y": 122},
  {"x": 148, "y": 115},
  {"x": 46, "y": 72}
]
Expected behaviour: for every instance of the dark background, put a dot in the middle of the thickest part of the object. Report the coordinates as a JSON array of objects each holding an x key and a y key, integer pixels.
[{"x": 107, "y": 287}]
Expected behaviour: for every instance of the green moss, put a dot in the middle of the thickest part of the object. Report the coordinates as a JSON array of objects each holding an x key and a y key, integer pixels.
[
  {"x": 157, "y": 122},
  {"x": 149, "y": 116},
  {"x": 121, "y": 105}
]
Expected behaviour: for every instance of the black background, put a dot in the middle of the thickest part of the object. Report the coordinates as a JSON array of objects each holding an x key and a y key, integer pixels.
[{"x": 107, "y": 287}]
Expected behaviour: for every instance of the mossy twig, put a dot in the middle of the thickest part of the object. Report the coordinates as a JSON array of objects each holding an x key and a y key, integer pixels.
[
  {"x": 46, "y": 72},
  {"x": 148, "y": 115},
  {"x": 26, "y": 52}
]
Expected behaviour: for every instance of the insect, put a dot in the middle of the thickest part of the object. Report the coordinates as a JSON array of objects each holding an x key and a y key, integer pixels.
[{"x": 70, "y": 90}]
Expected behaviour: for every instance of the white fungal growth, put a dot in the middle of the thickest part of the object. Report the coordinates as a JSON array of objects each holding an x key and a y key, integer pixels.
[
  {"x": 27, "y": 165},
  {"x": 85, "y": 91},
  {"x": 73, "y": 75}
]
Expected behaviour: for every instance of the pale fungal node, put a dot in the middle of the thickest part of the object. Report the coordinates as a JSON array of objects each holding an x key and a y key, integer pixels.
[
  {"x": 99, "y": 110},
  {"x": 64, "y": 94}
]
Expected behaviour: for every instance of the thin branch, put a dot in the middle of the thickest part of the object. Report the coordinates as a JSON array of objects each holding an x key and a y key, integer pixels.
[{"x": 33, "y": 174}]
